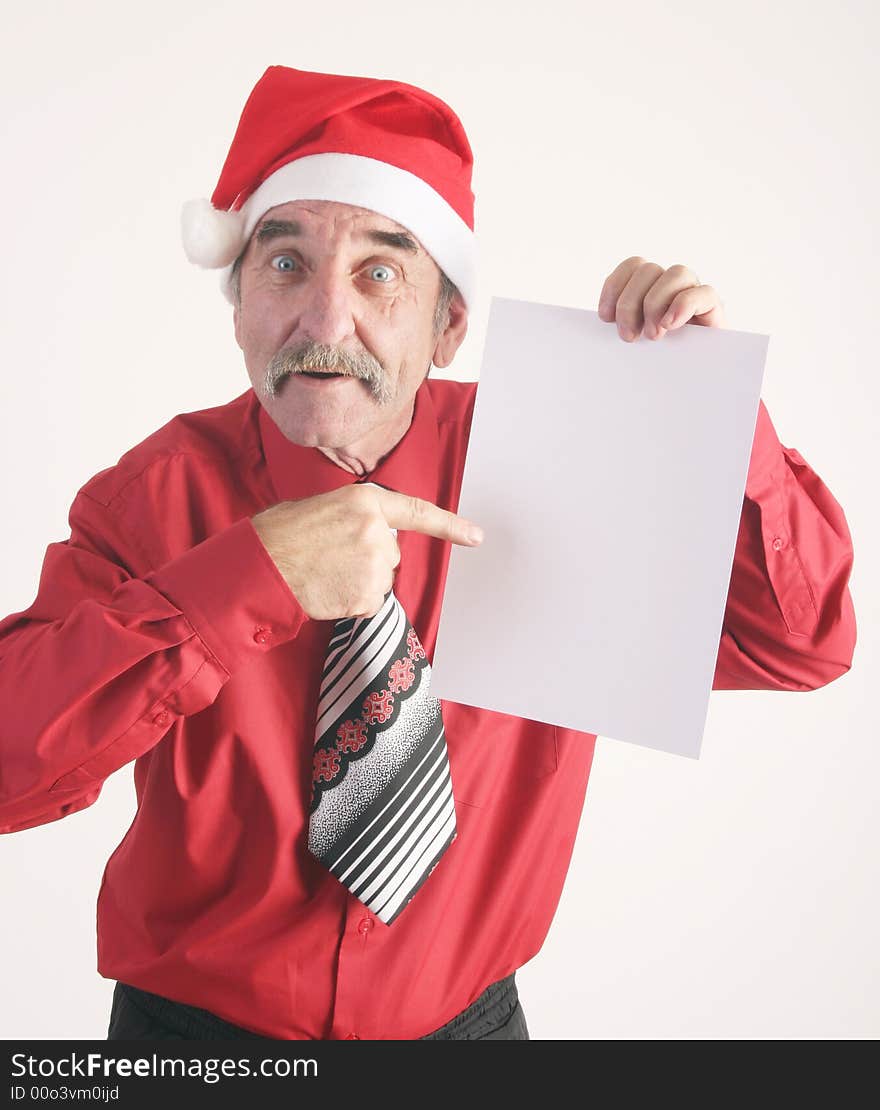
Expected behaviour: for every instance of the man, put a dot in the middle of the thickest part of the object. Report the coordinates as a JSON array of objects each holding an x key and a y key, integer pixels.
[{"x": 248, "y": 602}]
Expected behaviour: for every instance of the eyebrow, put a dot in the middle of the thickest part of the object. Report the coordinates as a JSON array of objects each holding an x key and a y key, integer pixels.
[
  {"x": 273, "y": 229},
  {"x": 393, "y": 239}
]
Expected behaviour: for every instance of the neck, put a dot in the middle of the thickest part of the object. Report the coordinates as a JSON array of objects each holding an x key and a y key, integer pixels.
[{"x": 363, "y": 457}]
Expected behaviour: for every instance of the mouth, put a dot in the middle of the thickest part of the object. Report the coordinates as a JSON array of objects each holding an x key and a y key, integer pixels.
[{"x": 313, "y": 377}]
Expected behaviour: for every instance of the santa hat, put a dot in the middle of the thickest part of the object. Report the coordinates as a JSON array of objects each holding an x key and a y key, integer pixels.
[{"x": 382, "y": 145}]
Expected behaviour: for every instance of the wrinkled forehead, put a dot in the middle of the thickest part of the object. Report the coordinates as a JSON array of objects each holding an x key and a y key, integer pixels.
[{"x": 325, "y": 221}]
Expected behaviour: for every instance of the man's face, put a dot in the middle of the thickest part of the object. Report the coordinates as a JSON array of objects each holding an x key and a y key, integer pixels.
[{"x": 336, "y": 322}]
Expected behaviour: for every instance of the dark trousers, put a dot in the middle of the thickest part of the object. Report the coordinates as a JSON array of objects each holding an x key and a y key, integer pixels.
[{"x": 139, "y": 1015}]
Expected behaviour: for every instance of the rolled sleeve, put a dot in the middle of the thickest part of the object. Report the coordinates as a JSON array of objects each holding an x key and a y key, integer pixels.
[{"x": 789, "y": 623}]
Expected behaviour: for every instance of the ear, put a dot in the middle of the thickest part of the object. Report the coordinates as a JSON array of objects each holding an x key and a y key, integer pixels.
[{"x": 451, "y": 339}]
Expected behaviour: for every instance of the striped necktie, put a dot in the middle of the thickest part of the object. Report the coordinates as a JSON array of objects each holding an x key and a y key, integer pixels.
[{"x": 382, "y": 811}]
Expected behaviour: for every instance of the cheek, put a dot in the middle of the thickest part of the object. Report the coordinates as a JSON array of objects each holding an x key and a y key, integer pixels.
[
  {"x": 260, "y": 328},
  {"x": 408, "y": 324}
]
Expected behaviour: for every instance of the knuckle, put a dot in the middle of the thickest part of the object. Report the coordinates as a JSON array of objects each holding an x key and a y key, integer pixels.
[
  {"x": 363, "y": 529},
  {"x": 370, "y": 527},
  {"x": 361, "y": 498},
  {"x": 654, "y": 305},
  {"x": 678, "y": 270},
  {"x": 375, "y": 530},
  {"x": 629, "y": 302}
]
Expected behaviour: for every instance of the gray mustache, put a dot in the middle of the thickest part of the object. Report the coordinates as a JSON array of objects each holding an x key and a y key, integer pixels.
[{"x": 318, "y": 356}]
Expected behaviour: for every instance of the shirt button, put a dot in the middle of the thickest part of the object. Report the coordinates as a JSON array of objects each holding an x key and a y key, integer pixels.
[
  {"x": 161, "y": 719},
  {"x": 365, "y": 925},
  {"x": 262, "y": 635},
  {"x": 778, "y": 543}
]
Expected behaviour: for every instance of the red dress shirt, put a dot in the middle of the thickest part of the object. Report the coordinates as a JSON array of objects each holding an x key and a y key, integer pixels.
[{"x": 163, "y": 632}]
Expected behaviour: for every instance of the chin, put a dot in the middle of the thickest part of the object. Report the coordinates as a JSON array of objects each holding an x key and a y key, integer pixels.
[{"x": 315, "y": 426}]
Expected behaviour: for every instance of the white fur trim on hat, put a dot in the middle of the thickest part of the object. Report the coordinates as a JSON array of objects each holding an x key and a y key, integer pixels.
[
  {"x": 367, "y": 183},
  {"x": 211, "y": 238}
]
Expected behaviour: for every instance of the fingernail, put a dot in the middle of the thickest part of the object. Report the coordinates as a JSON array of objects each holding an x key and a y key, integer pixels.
[
  {"x": 667, "y": 319},
  {"x": 475, "y": 533}
]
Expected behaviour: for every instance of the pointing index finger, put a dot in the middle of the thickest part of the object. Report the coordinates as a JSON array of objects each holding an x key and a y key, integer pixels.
[{"x": 414, "y": 514}]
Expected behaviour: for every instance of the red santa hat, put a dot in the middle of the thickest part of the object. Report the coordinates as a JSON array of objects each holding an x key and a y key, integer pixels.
[{"x": 382, "y": 145}]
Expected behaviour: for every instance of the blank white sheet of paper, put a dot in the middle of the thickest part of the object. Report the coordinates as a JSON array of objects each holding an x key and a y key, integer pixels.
[{"x": 608, "y": 478}]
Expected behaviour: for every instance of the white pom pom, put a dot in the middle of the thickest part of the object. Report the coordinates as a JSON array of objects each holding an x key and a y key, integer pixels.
[{"x": 211, "y": 238}]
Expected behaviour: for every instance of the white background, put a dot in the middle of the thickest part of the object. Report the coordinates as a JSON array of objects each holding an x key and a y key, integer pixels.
[{"x": 731, "y": 896}]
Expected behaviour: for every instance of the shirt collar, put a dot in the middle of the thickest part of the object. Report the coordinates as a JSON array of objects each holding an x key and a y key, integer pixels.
[{"x": 411, "y": 467}]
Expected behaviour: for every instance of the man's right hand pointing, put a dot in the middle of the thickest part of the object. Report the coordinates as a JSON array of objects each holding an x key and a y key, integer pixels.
[{"x": 337, "y": 552}]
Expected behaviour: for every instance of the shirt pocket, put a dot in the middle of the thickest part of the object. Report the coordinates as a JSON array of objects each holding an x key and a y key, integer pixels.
[{"x": 489, "y": 750}]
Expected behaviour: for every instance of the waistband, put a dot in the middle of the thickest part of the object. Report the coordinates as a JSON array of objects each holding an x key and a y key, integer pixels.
[{"x": 491, "y": 1009}]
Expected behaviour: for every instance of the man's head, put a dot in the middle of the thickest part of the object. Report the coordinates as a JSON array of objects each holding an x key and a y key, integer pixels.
[
  {"x": 343, "y": 223},
  {"x": 340, "y": 313}
]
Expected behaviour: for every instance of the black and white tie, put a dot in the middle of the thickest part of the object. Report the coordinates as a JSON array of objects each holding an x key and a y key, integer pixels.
[{"x": 382, "y": 810}]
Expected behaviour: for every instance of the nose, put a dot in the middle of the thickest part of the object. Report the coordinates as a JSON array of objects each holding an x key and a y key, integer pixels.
[{"x": 327, "y": 308}]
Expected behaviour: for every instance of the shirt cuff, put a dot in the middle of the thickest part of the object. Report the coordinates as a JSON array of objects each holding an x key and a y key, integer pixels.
[{"x": 232, "y": 593}]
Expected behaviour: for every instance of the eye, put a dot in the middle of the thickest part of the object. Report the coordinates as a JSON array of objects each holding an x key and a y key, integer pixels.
[
  {"x": 381, "y": 273},
  {"x": 284, "y": 263}
]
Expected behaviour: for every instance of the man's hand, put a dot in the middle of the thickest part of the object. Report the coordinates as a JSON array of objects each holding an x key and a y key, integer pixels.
[
  {"x": 642, "y": 294},
  {"x": 337, "y": 551}
]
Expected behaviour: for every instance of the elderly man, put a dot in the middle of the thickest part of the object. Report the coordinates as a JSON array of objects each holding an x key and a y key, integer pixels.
[{"x": 248, "y": 601}]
